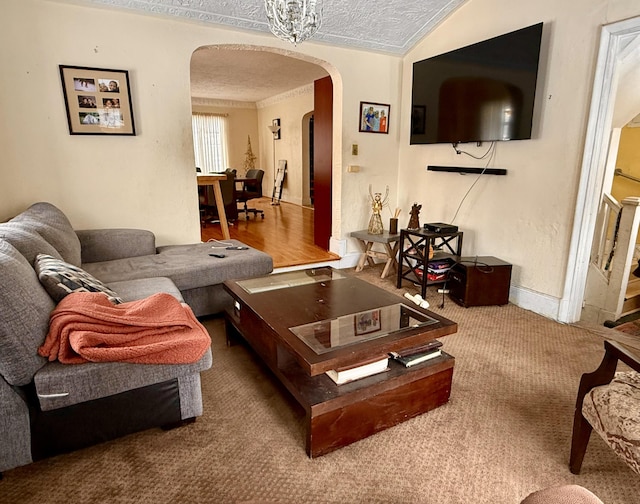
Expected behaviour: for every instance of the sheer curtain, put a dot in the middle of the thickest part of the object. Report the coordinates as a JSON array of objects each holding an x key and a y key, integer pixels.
[{"x": 210, "y": 142}]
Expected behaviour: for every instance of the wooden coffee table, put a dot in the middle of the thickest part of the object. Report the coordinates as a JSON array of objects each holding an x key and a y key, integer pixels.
[{"x": 304, "y": 323}]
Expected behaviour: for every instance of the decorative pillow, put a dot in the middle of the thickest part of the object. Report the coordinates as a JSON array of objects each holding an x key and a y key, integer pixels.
[{"x": 60, "y": 278}]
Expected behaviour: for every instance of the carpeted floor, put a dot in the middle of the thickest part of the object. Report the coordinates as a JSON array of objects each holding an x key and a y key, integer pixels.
[{"x": 504, "y": 433}]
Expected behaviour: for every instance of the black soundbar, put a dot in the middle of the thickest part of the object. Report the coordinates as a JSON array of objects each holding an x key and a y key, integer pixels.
[{"x": 460, "y": 169}]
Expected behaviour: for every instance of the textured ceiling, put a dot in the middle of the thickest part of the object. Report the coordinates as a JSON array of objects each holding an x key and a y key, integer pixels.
[
  {"x": 253, "y": 75},
  {"x": 382, "y": 25},
  {"x": 244, "y": 75}
]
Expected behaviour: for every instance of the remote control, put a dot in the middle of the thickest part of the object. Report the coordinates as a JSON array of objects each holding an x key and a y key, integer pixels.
[
  {"x": 238, "y": 248},
  {"x": 220, "y": 256}
]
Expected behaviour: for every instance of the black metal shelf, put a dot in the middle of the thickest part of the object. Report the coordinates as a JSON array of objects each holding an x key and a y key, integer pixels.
[{"x": 415, "y": 245}]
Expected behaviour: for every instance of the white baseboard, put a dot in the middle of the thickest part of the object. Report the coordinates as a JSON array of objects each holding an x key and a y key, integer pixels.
[
  {"x": 337, "y": 246},
  {"x": 349, "y": 260},
  {"x": 542, "y": 304}
]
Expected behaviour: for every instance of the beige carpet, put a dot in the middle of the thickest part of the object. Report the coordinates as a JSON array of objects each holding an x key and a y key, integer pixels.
[{"x": 505, "y": 433}]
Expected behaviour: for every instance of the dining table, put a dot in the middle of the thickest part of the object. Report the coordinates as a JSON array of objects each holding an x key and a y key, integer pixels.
[{"x": 213, "y": 179}]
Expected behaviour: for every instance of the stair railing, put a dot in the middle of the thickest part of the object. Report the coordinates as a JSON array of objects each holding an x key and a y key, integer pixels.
[
  {"x": 605, "y": 236},
  {"x": 612, "y": 258}
]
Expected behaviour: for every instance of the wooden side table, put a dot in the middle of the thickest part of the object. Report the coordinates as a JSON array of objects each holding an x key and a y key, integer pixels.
[
  {"x": 390, "y": 243},
  {"x": 480, "y": 281}
]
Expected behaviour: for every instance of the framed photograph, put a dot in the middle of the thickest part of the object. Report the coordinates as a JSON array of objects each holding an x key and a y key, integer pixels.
[
  {"x": 367, "y": 322},
  {"x": 374, "y": 117},
  {"x": 98, "y": 101}
]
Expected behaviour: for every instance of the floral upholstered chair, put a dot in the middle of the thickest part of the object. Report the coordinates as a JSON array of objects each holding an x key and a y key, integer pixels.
[{"x": 609, "y": 402}]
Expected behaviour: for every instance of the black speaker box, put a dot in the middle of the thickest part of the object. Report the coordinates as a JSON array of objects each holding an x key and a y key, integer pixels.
[
  {"x": 440, "y": 227},
  {"x": 480, "y": 281}
]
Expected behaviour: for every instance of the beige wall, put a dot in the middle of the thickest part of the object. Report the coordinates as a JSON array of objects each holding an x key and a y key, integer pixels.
[
  {"x": 524, "y": 217},
  {"x": 628, "y": 161},
  {"x": 147, "y": 180},
  {"x": 290, "y": 109}
]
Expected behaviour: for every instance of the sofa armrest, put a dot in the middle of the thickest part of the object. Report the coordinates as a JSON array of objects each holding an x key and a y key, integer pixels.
[
  {"x": 98, "y": 245},
  {"x": 624, "y": 353}
]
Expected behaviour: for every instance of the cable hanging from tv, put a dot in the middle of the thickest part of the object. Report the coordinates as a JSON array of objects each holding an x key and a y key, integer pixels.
[
  {"x": 458, "y": 151},
  {"x": 492, "y": 150}
]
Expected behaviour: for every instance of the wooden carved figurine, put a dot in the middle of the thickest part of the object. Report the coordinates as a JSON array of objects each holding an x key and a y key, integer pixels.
[{"x": 414, "y": 220}]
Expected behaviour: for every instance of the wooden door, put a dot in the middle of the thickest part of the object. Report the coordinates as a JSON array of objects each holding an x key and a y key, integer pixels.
[{"x": 322, "y": 160}]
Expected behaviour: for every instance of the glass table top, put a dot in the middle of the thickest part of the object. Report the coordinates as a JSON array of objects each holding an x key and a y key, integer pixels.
[
  {"x": 327, "y": 335},
  {"x": 289, "y": 279}
]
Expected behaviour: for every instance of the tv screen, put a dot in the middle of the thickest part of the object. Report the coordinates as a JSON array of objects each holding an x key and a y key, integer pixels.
[{"x": 482, "y": 92}]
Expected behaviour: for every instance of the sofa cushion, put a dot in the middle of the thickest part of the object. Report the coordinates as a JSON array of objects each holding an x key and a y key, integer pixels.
[
  {"x": 59, "y": 385},
  {"x": 53, "y": 226},
  {"x": 61, "y": 278},
  {"x": 189, "y": 266},
  {"x": 26, "y": 240},
  {"x": 24, "y": 317},
  {"x": 132, "y": 290}
]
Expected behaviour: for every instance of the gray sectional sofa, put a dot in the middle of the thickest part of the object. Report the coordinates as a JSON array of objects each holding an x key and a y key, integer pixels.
[{"x": 48, "y": 408}]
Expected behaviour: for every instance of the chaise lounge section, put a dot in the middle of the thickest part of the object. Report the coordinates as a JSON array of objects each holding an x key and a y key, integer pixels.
[{"x": 47, "y": 408}]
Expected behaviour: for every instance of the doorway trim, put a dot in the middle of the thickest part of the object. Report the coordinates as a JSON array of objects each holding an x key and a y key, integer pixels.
[
  {"x": 306, "y": 160},
  {"x": 614, "y": 39}
]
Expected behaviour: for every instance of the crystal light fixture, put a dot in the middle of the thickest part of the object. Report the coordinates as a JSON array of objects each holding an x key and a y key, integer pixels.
[{"x": 294, "y": 20}]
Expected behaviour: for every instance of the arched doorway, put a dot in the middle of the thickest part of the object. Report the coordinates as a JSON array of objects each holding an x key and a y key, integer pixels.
[{"x": 219, "y": 60}]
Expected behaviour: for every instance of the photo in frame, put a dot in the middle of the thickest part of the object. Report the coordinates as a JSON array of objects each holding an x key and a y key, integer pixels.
[
  {"x": 98, "y": 101},
  {"x": 374, "y": 117},
  {"x": 367, "y": 322}
]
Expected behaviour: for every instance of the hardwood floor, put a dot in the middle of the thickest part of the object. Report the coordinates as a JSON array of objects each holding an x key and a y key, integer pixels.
[{"x": 285, "y": 233}]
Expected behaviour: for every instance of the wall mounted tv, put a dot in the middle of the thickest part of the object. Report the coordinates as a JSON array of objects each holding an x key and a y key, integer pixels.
[{"x": 482, "y": 92}]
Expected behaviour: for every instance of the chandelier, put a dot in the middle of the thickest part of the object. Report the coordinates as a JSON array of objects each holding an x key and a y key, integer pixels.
[{"x": 293, "y": 20}]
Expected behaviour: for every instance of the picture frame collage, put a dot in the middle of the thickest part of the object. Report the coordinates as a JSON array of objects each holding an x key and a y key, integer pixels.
[{"x": 98, "y": 101}]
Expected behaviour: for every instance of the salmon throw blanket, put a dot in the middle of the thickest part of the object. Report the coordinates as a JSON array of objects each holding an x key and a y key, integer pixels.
[{"x": 87, "y": 327}]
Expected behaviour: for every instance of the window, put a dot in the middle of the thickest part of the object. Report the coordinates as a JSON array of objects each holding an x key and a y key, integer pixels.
[{"x": 210, "y": 142}]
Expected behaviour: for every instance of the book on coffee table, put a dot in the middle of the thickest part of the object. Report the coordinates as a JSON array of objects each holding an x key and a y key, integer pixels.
[
  {"x": 346, "y": 375},
  {"x": 417, "y": 359},
  {"x": 427, "y": 347},
  {"x": 416, "y": 355}
]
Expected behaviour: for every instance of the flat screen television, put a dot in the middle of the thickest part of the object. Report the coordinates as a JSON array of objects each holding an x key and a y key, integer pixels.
[{"x": 482, "y": 92}]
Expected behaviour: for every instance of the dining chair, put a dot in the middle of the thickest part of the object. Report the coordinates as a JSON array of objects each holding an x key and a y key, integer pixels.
[{"x": 251, "y": 189}]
